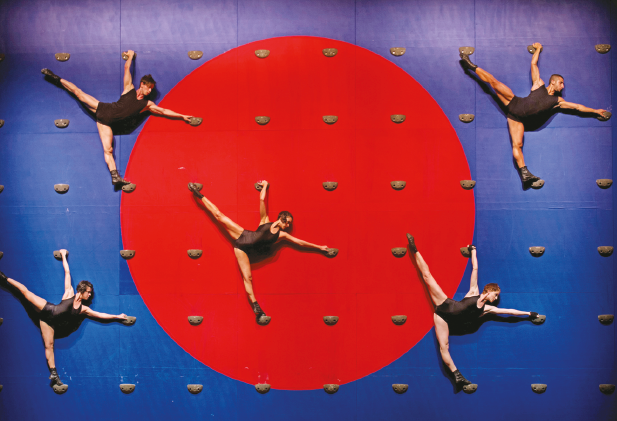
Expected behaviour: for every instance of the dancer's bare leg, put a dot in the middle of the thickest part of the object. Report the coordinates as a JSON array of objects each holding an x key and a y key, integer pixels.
[
  {"x": 437, "y": 294},
  {"x": 91, "y": 102},
  {"x": 48, "y": 339},
  {"x": 107, "y": 138},
  {"x": 35, "y": 300},
  {"x": 232, "y": 228},
  {"x": 247, "y": 277},
  {"x": 504, "y": 93},
  {"x": 442, "y": 331},
  {"x": 517, "y": 131}
]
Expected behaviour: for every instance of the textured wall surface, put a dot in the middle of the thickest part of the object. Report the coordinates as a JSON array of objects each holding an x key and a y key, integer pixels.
[{"x": 571, "y": 283}]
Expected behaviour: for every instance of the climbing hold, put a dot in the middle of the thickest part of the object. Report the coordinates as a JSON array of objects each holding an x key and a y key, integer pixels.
[
  {"x": 330, "y": 320},
  {"x": 198, "y": 186},
  {"x": 128, "y": 188},
  {"x": 62, "y": 56},
  {"x": 262, "y": 120},
  {"x": 399, "y": 251},
  {"x": 262, "y": 388},
  {"x": 538, "y": 388},
  {"x": 262, "y": 53},
  {"x": 195, "y": 55},
  {"x": 399, "y": 320},
  {"x": 194, "y": 253},
  {"x": 537, "y": 184},
  {"x": 331, "y": 388},
  {"x": 61, "y": 188},
  {"x": 607, "y": 389},
  {"x": 58, "y": 256},
  {"x": 398, "y": 185},
  {"x": 330, "y": 119},
  {"x": 331, "y": 252},
  {"x": 605, "y": 250},
  {"x": 1, "y": 388},
  {"x": 195, "y": 388},
  {"x": 603, "y": 48},
  {"x": 1, "y": 254},
  {"x": 606, "y": 319},
  {"x": 129, "y": 321},
  {"x": 196, "y": 320},
  {"x": 330, "y": 185},
  {"x": 466, "y": 118},
  {"x": 2, "y": 56},
  {"x": 466, "y": 50},
  {"x": 532, "y": 49},
  {"x": 1, "y": 123},
  {"x": 125, "y": 56},
  {"x": 400, "y": 388},
  {"x": 397, "y": 118},
  {"x": 61, "y": 123},
  {"x": 1, "y": 321},
  {"x": 470, "y": 388},
  {"x": 263, "y": 320},
  {"x": 539, "y": 320},
  {"x": 604, "y": 183},
  {"x": 465, "y": 252},
  {"x": 536, "y": 251},
  {"x": 195, "y": 121},
  {"x": 468, "y": 184},
  {"x": 127, "y": 388},
  {"x": 60, "y": 389},
  {"x": 329, "y": 52},
  {"x": 606, "y": 115},
  {"x": 127, "y": 254},
  {"x": 1, "y": 189},
  {"x": 259, "y": 187},
  {"x": 397, "y": 51}
]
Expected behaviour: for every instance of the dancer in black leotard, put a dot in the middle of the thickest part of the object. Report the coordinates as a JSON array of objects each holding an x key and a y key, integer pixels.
[
  {"x": 70, "y": 311},
  {"x": 247, "y": 242},
  {"x": 449, "y": 312},
  {"x": 541, "y": 99},
  {"x": 131, "y": 103}
]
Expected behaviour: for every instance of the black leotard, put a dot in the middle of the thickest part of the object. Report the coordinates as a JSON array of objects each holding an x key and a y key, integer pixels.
[
  {"x": 259, "y": 240},
  {"x": 460, "y": 312},
  {"x": 128, "y": 105},
  {"x": 61, "y": 313},
  {"x": 536, "y": 102}
]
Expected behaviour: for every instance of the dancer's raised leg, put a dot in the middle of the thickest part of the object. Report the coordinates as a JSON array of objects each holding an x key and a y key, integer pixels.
[
  {"x": 437, "y": 294},
  {"x": 32, "y": 298},
  {"x": 232, "y": 228}
]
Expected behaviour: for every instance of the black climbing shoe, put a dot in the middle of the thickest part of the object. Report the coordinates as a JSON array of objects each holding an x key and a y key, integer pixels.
[
  {"x": 52, "y": 77},
  {"x": 460, "y": 379},
  {"x": 258, "y": 311},
  {"x": 527, "y": 177},
  {"x": 467, "y": 64},
  {"x": 193, "y": 188},
  {"x": 53, "y": 376},
  {"x": 471, "y": 247},
  {"x": 412, "y": 244},
  {"x": 116, "y": 180},
  {"x": 533, "y": 315},
  {"x": 3, "y": 278}
]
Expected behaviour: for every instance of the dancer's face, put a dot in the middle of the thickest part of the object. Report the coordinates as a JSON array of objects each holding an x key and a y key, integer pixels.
[
  {"x": 285, "y": 223},
  {"x": 145, "y": 89},
  {"x": 86, "y": 294},
  {"x": 493, "y": 296},
  {"x": 558, "y": 85}
]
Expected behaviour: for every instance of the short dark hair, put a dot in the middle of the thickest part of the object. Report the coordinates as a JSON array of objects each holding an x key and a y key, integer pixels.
[
  {"x": 84, "y": 285},
  {"x": 148, "y": 79},
  {"x": 554, "y": 77},
  {"x": 285, "y": 214}
]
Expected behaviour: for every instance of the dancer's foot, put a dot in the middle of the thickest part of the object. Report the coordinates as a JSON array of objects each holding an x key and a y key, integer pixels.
[
  {"x": 460, "y": 379},
  {"x": 467, "y": 64},
  {"x": 52, "y": 77},
  {"x": 3, "y": 278},
  {"x": 196, "y": 192},
  {"x": 117, "y": 180},
  {"x": 53, "y": 376},
  {"x": 412, "y": 244},
  {"x": 527, "y": 177}
]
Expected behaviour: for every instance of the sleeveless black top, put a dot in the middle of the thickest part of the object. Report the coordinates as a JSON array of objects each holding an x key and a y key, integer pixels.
[
  {"x": 259, "y": 240},
  {"x": 128, "y": 105},
  {"x": 463, "y": 311},
  {"x": 61, "y": 313},
  {"x": 535, "y": 103}
]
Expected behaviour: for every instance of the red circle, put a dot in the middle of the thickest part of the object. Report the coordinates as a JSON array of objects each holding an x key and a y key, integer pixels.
[{"x": 296, "y": 85}]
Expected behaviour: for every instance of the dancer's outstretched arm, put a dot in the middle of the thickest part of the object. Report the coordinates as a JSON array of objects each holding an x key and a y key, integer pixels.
[
  {"x": 284, "y": 236},
  {"x": 263, "y": 214},
  {"x": 128, "y": 79},
  {"x": 496, "y": 310},
  {"x": 535, "y": 70},
  {"x": 155, "y": 109},
  {"x": 473, "y": 282},
  {"x": 572, "y": 106},
  {"x": 98, "y": 315},
  {"x": 68, "y": 288}
]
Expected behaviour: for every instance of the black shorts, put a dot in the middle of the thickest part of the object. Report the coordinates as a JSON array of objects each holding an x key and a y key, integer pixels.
[
  {"x": 103, "y": 114},
  {"x": 512, "y": 108}
]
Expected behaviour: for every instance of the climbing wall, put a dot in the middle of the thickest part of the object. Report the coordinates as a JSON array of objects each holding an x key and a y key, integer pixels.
[{"x": 364, "y": 85}]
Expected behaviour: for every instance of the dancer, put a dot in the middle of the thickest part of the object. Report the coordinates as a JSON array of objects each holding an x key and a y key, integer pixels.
[
  {"x": 69, "y": 311},
  {"x": 449, "y": 312},
  {"x": 541, "y": 99},
  {"x": 131, "y": 103},
  {"x": 247, "y": 242}
]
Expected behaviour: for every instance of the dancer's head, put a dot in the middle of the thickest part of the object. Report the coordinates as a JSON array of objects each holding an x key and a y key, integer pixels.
[
  {"x": 492, "y": 291},
  {"x": 286, "y": 219},
  {"x": 86, "y": 290},
  {"x": 146, "y": 85},
  {"x": 556, "y": 81}
]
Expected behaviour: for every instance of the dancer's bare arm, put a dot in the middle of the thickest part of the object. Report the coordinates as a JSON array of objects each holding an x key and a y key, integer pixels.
[
  {"x": 473, "y": 282},
  {"x": 68, "y": 288},
  {"x": 128, "y": 79},
  {"x": 263, "y": 215},
  {"x": 284, "y": 236},
  {"x": 535, "y": 70},
  {"x": 155, "y": 109},
  {"x": 496, "y": 310},
  {"x": 103, "y": 316},
  {"x": 572, "y": 106}
]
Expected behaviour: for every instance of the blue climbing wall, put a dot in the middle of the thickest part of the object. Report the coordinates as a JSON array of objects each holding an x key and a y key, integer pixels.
[{"x": 572, "y": 284}]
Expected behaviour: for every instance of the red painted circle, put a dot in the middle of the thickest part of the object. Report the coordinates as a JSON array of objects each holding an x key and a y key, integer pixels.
[{"x": 296, "y": 85}]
